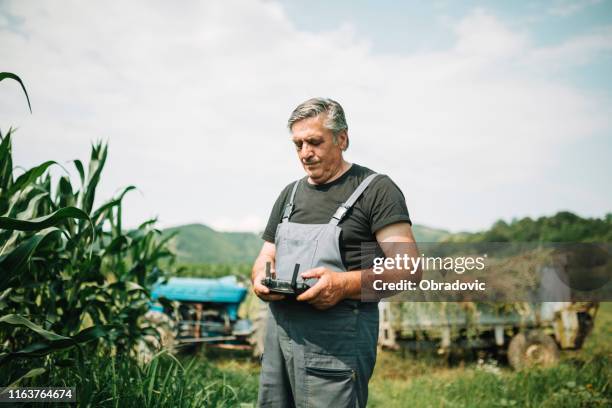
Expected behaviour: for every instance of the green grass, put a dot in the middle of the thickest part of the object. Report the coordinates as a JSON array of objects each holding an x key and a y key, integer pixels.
[
  {"x": 582, "y": 379},
  {"x": 567, "y": 385},
  {"x": 220, "y": 378},
  {"x": 166, "y": 381}
]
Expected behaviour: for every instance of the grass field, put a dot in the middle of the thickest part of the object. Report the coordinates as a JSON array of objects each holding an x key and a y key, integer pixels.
[
  {"x": 582, "y": 379},
  {"x": 220, "y": 378}
]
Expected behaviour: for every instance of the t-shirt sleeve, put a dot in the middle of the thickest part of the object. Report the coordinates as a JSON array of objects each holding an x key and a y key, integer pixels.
[
  {"x": 387, "y": 203},
  {"x": 276, "y": 215}
]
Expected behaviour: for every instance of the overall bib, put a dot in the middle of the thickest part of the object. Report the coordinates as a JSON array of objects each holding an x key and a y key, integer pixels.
[{"x": 316, "y": 358}]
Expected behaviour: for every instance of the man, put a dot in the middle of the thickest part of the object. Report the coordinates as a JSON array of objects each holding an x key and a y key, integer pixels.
[{"x": 320, "y": 346}]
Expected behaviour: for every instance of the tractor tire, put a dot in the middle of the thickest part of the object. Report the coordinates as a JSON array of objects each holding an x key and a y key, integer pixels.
[
  {"x": 146, "y": 347},
  {"x": 532, "y": 349},
  {"x": 166, "y": 329}
]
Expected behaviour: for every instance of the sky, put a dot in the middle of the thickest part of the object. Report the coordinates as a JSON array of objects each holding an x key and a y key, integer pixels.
[{"x": 479, "y": 111}]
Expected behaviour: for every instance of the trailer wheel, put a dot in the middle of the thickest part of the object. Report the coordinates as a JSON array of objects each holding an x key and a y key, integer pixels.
[
  {"x": 532, "y": 349},
  {"x": 585, "y": 325}
]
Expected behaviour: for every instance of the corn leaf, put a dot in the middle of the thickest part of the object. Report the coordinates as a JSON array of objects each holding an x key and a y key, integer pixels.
[
  {"x": 5, "y": 75},
  {"x": 30, "y": 374},
  {"x": 29, "y": 176},
  {"x": 42, "y": 222},
  {"x": 17, "y": 320},
  {"x": 12, "y": 262},
  {"x": 6, "y": 163}
]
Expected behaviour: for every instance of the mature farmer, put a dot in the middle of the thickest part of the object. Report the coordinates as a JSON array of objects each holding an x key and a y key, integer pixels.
[{"x": 320, "y": 348}]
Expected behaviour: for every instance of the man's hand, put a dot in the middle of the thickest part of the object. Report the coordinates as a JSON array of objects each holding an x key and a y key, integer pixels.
[
  {"x": 329, "y": 290},
  {"x": 267, "y": 254},
  {"x": 262, "y": 291}
]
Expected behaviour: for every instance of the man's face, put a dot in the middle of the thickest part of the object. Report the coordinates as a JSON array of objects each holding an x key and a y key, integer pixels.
[{"x": 320, "y": 157}]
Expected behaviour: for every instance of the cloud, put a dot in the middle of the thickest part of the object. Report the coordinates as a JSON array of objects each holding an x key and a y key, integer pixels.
[
  {"x": 574, "y": 52},
  {"x": 566, "y": 8},
  {"x": 194, "y": 100},
  {"x": 482, "y": 34}
]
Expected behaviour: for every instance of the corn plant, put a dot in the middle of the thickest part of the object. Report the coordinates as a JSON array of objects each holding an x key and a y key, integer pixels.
[{"x": 72, "y": 279}]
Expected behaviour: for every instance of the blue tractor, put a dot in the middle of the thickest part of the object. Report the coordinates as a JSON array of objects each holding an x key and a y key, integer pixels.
[{"x": 205, "y": 311}]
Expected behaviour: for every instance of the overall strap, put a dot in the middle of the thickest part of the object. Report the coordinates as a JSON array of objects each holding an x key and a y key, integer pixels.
[
  {"x": 289, "y": 206},
  {"x": 342, "y": 210}
]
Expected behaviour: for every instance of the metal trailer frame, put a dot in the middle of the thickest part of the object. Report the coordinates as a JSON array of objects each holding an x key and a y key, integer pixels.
[
  {"x": 206, "y": 312},
  {"x": 444, "y": 326}
]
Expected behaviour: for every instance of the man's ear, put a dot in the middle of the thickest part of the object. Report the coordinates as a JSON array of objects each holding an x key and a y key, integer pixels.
[{"x": 343, "y": 141}]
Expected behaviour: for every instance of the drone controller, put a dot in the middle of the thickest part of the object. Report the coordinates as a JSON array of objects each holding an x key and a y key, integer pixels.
[{"x": 283, "y": 286}]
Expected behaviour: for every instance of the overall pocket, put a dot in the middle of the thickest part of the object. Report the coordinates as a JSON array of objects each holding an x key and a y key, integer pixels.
[
  {"x": 330, "y": 387},
  {"x": 329, "y": 334}
]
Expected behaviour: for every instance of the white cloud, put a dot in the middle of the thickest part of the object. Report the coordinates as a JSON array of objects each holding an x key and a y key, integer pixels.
[
  {"x": 482, "y": 34},
  {"x": 193, "y": 100},
  {"x": 566, "y": 8},
  {"x": 573, "y": 52}
]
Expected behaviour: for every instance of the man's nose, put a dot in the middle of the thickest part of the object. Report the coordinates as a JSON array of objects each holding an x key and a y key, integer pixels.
[{"x": 306, "y": 151}]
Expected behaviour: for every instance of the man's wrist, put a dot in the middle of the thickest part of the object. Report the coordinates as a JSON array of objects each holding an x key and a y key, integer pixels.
[{"x": 351, "y": 285}]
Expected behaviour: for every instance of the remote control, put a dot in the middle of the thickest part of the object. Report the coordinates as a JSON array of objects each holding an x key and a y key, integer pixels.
[{"x": 283, "y": 286}]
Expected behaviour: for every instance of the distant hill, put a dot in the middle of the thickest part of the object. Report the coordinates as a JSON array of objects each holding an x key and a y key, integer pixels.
[
  {"x": 561, "y": 227},
  {"x": 427, "y": 234},
  {"x": 197, "y": 244},
  {"x": 200, "y": 244}
]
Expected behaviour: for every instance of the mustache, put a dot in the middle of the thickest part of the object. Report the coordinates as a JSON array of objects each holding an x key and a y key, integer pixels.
[{"x": 310, "y": 161}]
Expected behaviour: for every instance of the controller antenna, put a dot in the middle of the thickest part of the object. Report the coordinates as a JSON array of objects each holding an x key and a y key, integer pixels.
[{"x": 294, "y": 278}]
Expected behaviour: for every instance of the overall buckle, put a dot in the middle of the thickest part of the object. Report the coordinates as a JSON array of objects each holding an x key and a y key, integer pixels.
[
  {"x": 340, "y": 212},
  {"x": 288, "y": 211}
]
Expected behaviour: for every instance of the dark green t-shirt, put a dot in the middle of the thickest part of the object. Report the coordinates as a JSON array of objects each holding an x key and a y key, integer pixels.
[{"x": 381, "y": 204}]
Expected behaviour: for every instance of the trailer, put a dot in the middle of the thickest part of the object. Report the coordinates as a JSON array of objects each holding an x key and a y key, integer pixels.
[
  {"x": 536, "y": 315},
  {"x": 529, "y": 333}
]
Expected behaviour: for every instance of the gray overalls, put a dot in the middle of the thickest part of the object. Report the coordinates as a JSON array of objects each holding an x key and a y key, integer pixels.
[{"x": 315, "y": 358}]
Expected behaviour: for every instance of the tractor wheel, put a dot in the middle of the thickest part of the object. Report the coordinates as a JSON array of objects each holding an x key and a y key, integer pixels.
[
  {"x": 147, "y": 346},
  {"x": 532, "y": 349},
  {"x": 166, "y": 329}
]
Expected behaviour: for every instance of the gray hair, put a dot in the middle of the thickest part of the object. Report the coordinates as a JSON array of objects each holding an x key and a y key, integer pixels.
[{"x": 335, "y": 121}]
